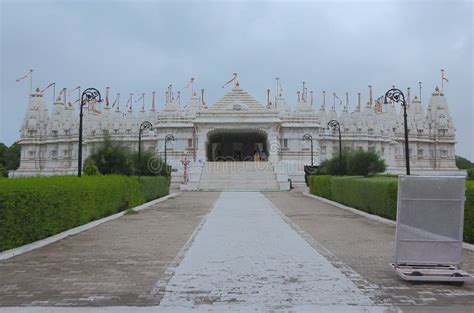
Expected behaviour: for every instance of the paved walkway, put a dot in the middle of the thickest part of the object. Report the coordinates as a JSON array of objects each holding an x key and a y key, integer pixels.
[
  {"x": 115, "y": 263},
  {"x": 246, "y": 256},
  {"x": 252, "y": 251}
]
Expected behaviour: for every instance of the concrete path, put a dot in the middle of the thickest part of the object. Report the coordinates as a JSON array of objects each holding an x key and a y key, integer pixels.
[
  {"x": 367, "y": 247},
  {"x": 251, "y": 252},
  {"x": 247, "y": 257},
  {"x": 115, "y": 263}
]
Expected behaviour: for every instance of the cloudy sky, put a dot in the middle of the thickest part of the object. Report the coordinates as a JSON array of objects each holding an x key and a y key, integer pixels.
[{"x": 143, "y": 46}]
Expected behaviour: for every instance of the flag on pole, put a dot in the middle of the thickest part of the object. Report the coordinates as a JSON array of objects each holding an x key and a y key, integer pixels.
[
  {"x": 116, "y": 100},
  {"x": 336, "y": 97},
  {"x": 189, "y": 83},
  {"x": 378, "y": 104},
  {"x": 63, "y": 91},
  {"x": 69, "y": 93},
  {"x": 233, "y": 78},
  {"x": 52, "y": 84},
  {"x": 24, "y": 76},
  {"x": 139, "y": 98},
  {"x": 444, "y": 78},
  {"x": 129, "y": 102}
]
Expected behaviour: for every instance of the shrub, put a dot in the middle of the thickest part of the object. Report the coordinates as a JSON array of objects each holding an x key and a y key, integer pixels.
[
  {"x": 3, "y": 171},
  {"x": 364, "y": 163},
  {"x": 90, "y": 169},
  {"x": 321, "y": 185},
  {"x": 356, "y": 163},
  {"x": 463, "y": 163},
  {"x": 151, "y": 164},
  {"x": 470, "y": 173},
  {"x": 37, "y": 207},
  {"x": 113, "y": 158},
  {"x": 469, "y": 213}
]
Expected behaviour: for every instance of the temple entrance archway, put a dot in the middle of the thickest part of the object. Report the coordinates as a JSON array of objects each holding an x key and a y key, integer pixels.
[{"x": 236, "y": 145}]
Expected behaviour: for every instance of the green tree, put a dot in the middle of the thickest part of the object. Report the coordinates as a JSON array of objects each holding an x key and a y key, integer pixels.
[
  {"x": 364, "y": 163},
  {"x": 113, "y": 158},
  {"x": 332, "y": 166},
  {"x": 90, "y": 169},
  {"x": 463, "y": 163},
  {"x": 470, "y": 173},
  {"x": 151, "y": 164},
  {"x": 13, "y": 156},
  {"x": 3, "y": 171},
  {"x": 10, "y": 156},
  {"x": 3, "y": 154}
]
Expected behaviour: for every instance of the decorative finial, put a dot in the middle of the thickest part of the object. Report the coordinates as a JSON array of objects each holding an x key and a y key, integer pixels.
[{"x": 437, "y": 89}]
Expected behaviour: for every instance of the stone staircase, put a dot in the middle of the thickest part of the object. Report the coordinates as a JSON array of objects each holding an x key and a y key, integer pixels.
[{"x": 239, "y": 176}]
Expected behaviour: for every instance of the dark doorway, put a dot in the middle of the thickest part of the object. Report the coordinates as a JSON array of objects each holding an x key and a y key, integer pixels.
[{"x": 237, "y": 146}]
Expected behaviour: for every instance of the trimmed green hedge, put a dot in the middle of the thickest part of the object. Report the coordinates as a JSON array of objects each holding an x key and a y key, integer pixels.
[
  {"x": 154, "y": 186},
  {"x": 469, "y": 213},
  {"x": 321, "y": 185},
  {"x": 38, "y": 207},
  {"x": 378, "y": 195}
]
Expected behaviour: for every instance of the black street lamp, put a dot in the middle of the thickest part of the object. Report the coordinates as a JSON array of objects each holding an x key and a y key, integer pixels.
[
  {"x": 396, "y": 95},
  {"x": 310, "y": 138},
  {"x": 88, "y": 95},
  {"x": 143, "y": 126},
  {"x": 168, "y": 137},
  {"x": 333, "y": 124}
]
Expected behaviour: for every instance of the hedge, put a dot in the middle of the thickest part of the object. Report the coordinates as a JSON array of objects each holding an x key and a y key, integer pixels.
[
  {"x": 469, "y": 213},
  {"x": 38, "y": 207},
  {"x": 378, "y": 195},
  {"x": 321, "y": 185}
]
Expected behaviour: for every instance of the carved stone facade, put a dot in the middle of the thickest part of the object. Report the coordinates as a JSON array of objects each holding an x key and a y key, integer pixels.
[{"x": 49, "y": 140}]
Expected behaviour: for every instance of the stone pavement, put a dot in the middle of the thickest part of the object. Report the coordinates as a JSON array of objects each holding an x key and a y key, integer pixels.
[
  {"x": 253, "y": 251},
  {"x": 367, "y": 247},
  {"x": 115, "y": 263},
  {"x": 246, "y": 256}
]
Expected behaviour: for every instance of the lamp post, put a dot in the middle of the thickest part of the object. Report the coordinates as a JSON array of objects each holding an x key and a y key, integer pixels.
[
  {"x": 88, "y": 95},
  {"x": 333, "y": 124},
  {"x": 168, "y": 137},
  {"x": 143, "y": 126},
  {"x": 396, "y": 95},
  {"x": 310, "y": 138}
]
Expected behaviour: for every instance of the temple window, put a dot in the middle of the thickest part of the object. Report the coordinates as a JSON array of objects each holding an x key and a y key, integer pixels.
[
  {"x": 370, "y": 131},
  {"x": 285, "y": 143},
  {"x": 444, "y": 153},
  {"x": 31, "y": 154},
  {"x": 55, "y": 133},
  {"x": 66, "y": 132},
  {"x": 323, "y": 149},
  {"x": 420, "y": 153},
  {"x": 190, "y": 143}
]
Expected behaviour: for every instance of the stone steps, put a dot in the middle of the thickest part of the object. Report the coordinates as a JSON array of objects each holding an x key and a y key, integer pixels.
[{"x": 238, "y": 176}]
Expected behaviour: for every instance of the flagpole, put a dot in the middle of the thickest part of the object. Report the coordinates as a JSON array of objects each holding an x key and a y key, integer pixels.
[
  {"x": 442, "y": 80},
  {"x": 419, "y": 83},
  {"x": 54, "y": 92},
  {"x": 31, "y": 82}
]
